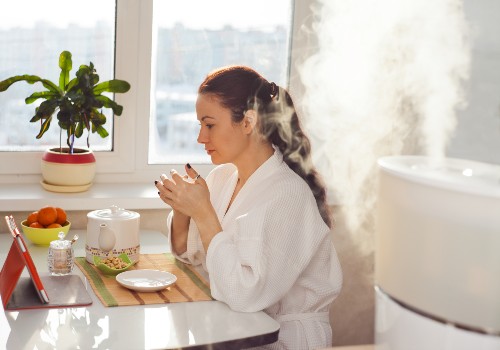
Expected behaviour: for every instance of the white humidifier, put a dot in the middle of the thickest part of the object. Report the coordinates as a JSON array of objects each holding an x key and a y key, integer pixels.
[{"x": 437, "y": 260}]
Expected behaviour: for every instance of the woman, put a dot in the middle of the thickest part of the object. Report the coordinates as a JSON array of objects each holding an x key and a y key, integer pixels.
[{"x": 259, "y": 224}]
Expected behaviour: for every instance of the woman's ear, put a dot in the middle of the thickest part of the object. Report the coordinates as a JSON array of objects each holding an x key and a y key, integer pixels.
[{"x": 250, "y": 120}]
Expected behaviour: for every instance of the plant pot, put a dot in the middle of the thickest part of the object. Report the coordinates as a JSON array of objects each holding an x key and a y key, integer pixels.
[{"x": 64, "y": 172}]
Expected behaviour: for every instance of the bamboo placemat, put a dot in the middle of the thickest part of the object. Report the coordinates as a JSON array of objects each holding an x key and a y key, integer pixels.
[{"x": 190, "y": 285}]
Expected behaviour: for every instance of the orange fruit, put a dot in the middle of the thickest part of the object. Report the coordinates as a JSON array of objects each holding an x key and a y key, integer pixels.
[
  {"x": 33, "y": 217},
  {"x": 36, "y": 224},
  {"x": 61, "y": 216},
  {"x": 47, "y": 215},
  {"x": 54, "y": 225}
]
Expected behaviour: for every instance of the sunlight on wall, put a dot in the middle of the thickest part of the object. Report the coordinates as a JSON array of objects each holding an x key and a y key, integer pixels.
[{"x": 386, "y": 80}]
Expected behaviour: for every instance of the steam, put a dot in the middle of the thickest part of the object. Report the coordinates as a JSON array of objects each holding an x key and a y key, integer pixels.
[{"x": 385, "y": 80}]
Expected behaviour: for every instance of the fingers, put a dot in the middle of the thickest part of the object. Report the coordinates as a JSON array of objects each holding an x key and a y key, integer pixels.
[
  {"x": 165, "y": 183},
  {"x": 182, "y": 193},
  {"x": 168, "y": 188},
  {"x": 175, "y": 176},
  {"x": 160, "y": 185},
  {"x": 191, "y": 172}
]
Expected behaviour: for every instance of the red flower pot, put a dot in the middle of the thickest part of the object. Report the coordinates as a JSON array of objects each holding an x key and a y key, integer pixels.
[{"x": 59, "y": 168}]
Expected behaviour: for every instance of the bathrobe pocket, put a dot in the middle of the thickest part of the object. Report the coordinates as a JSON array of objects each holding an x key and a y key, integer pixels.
[{"x": 248, "y": 238}]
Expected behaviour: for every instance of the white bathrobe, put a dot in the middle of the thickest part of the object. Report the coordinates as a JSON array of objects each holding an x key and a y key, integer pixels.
[{"x": 274, "y": 253}]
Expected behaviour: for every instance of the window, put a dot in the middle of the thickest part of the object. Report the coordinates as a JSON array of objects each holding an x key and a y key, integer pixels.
[
  {"x": 30, "y": 42},
  {"x": 162, "y": 48},
  {"x": 191, "y": 38}
]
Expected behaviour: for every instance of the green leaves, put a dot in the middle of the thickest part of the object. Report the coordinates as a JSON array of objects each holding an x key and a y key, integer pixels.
[
  {"x": 117, "y": 86},
  {"x": 43, "y": 94},
  {"x": 31, "y": 79},
  {"x": 45, "y": 110},
  {"x": 66, "y": 65},
  {"x": 109, "y": 103},
  {"x": 77, "y": 100}
]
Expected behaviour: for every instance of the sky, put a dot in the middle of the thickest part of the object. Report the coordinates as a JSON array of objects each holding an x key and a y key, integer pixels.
[
  {"x": 198, "y": 13},
  {"x": 249, "y": 14},
  {"x": 24, "y": 13}
]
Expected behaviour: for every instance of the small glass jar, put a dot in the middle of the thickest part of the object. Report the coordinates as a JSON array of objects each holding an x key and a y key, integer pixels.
[{"x": 61, "y": 257}]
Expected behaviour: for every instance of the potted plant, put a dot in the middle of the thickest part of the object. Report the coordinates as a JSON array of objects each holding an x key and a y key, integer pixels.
[{"x": 77, "y": 102}]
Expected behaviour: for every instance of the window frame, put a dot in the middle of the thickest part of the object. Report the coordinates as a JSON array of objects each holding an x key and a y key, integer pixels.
[
  {"x": 128, "y": 161},
  {"x": 129, "y": 15}
]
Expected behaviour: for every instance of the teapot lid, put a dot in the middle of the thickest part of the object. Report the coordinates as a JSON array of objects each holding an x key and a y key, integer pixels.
[{"x": 114, "y": 212}]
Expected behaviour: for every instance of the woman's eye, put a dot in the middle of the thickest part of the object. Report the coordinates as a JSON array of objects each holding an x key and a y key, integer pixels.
[{"x": 208, "y": 126}]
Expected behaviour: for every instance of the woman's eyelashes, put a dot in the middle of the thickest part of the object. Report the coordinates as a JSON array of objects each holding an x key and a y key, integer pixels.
[{"x": 208, "y": 126}]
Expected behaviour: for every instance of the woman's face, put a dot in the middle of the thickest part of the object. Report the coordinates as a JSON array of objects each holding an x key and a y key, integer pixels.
[{"x": 224, "y": 140}]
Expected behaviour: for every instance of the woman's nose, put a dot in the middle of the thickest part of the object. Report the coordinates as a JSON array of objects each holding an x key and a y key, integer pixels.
[{"x": 201, "y": 137}]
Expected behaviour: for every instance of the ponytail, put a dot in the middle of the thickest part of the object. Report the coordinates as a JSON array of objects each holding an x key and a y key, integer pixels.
[
  {"x": 286, "y": 133},
  {"x": 239, "y": 89}
]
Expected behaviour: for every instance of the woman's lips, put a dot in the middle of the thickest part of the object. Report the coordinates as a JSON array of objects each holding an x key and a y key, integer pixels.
[{"x": 209, "y": 151}]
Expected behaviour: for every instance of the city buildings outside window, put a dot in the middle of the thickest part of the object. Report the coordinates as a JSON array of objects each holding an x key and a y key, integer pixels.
[
  {"x": 32, "y": 35},
  {"x": 191, "y": 39},
  {"x": 187, "y": 40}
]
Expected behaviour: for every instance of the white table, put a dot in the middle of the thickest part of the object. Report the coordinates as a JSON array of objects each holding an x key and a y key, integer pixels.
[{"x": 191, "y": 325}]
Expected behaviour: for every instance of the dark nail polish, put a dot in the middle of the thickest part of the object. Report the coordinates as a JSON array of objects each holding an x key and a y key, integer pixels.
[
  {"x": 156, "y": 182},
  {"x": 188, "y": 165}
]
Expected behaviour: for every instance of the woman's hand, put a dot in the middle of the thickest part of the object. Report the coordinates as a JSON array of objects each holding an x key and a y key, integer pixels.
[{"x": 186, "y": 194}]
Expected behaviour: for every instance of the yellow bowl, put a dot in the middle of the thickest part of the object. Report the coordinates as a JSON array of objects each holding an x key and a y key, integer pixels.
[{"x": 43, "y": 236}]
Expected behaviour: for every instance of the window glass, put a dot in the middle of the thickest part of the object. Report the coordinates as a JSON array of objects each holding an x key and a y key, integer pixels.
[
  {"x": 32, "y": 35},
  {"x": 190, "y": 39}
]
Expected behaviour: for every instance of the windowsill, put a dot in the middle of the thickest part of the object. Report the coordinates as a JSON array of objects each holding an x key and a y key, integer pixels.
[{"x": 28, "y": 197}]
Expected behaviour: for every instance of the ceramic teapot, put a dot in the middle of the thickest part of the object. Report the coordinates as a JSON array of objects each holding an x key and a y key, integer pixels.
[{"x": 111, "y": 232}]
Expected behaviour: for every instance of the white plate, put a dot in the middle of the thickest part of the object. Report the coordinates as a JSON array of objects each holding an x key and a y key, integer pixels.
[{"x": 146, "y": 280}]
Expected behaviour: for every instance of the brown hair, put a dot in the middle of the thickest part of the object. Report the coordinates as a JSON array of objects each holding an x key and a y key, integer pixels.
[{"x": 239, "y": 89}]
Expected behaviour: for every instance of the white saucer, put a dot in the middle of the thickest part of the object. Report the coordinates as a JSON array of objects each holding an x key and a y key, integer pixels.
[
  {"x": 65, "y": 189},
  {"x": 146, "y": 280}
]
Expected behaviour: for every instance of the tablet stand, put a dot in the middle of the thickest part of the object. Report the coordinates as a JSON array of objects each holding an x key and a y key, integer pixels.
[{"x": 21, "y": 292}]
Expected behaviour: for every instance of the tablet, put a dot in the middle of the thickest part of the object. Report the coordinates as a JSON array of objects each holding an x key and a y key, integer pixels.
[
  {"x": 17, "y": 259},
  {"x": 35, "y": 291}
]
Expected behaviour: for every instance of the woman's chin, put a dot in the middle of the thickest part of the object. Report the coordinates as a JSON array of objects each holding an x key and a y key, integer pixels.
[{"x": 216, "y": 160}]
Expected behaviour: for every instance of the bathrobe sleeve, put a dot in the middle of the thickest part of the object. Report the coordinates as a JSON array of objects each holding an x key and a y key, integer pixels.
[
  {"x": 254, "y": 262},
  {"x": 195, "y": 253}
]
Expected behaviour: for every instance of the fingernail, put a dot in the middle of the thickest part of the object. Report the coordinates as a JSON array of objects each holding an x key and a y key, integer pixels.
[
  {"x": 188, "y": 165},
  {"x": 156, "y": 182},
  {"x": 172, "y": 171}
]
